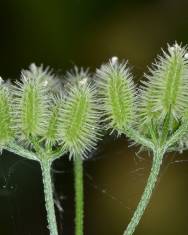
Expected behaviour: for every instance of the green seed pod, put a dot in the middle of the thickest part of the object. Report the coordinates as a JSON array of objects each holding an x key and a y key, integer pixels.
[
  {"x": 117, "y": 95},
  {"x": 78, "y": 121},
  {"x": 166, "y": 88},
  {"x": 6, "y": 132},
  {"x": 51, "y": 134},
  {"x": 31, "y": 103}
]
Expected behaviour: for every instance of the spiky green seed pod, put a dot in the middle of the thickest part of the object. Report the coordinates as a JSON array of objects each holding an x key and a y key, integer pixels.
[
  {"x": 6, "y": 132},
  {"x": 51, "y": 134},
  {"x": 117, "y": 95},
  {"x": 31, "y": 103},
  {"x": 78, "y": 122},
  {"x": 166, "y": 88}
]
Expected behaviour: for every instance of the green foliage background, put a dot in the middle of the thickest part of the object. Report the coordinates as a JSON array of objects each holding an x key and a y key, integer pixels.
[{"x": 62, "y": 33}]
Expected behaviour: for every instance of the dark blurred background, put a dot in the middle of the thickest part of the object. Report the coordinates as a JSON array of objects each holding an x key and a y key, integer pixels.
[{"x": 62, "y": 33}]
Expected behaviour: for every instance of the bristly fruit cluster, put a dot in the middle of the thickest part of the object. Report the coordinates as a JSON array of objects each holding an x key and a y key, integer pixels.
[
  {"x": 38, "y": 113},
  {"x": 39, "y": 110},
  {"x": 160, "y": 103}
]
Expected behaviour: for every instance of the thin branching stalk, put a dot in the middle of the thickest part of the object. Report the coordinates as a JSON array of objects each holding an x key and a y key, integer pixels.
[
  {"x": 139, "y": 139},
  {"x": 79, "y": 195},
  {"x": 21, "y": 151},
  {"x": 146, "y": 196}
]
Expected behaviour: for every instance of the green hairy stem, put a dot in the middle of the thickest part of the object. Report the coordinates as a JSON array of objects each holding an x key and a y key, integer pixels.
[
  {"x": 79, "y": 196},
  {"x": 48, "y": 193},
  {"x": 146, "y": 196}
]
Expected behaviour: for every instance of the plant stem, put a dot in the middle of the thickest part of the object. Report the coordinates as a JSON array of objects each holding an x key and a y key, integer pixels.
[
  {"x": 138, "y": 138},
  {"x": 21, "y": 151},
  {"x": 48, "y": 193},
  {"x": 157, "y": 161},
  {"x": 79, "y": 195}
]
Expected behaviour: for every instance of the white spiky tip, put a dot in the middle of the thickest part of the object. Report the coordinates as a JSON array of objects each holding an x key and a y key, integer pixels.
[
  {"x": 45, "y": 83},
  {"x": 186, "y": 56},
  {"x": 176, "y": 47},
  {"x": 1, "y": 80},
  {"x": 83, "y": 81},
  {"x": 33, "y": 67},
  {"x": 25, "y": 78},
  {"x": 114, "y": 60}
]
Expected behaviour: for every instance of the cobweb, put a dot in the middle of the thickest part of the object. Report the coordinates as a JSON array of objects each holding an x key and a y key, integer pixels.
[{"x": 9, "y": 186}]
